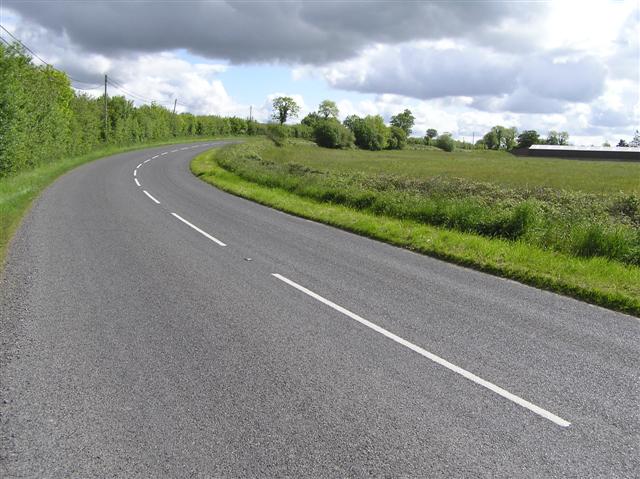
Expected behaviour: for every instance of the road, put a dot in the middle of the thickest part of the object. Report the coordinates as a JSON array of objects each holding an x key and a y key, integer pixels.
[{"x": 154, "y": 326}]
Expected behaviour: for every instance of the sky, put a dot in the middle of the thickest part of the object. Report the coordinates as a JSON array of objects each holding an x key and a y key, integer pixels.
[{"x": 459, "y": 66}]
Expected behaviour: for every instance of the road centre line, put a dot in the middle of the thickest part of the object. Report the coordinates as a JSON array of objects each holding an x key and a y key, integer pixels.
[
  {"x": 153, "y": 157},
  {"x": 149, "y": 195},
  {"x": 203, "y": 233},
  {"x": 137, "y": 182},
  {"x": 164, "y": 153},
  {"x": 174, "y": 151},
  {"x": 135, "y": 172},
  {"x": 147, "y": 160},
  {"x": 437, "y": 359},
  {"x": 138, "y": 166}
]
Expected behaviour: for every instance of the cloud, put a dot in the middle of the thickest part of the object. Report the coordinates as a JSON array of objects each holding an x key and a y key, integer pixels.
[
  {"x": 424, "y": 71},
  {"x": 291, "y": 31}
]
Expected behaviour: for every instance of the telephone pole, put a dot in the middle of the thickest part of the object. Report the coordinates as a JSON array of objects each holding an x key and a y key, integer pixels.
[
  {"x": 250, "y": 112},
  {"x": 106, "y": 119},
  {"x": 175, "y": 102}
]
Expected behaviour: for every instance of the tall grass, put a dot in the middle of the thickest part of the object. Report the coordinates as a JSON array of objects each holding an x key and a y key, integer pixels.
[{"x": 573, "y": 223}]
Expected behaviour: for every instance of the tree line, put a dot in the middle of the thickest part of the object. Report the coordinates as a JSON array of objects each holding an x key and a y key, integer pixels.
[
  {"x": 43, "y": 119},
  {"x": 371, "y": 133}
]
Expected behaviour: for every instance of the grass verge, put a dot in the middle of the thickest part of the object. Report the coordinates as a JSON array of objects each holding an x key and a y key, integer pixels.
[
  {"x": 595, "y": 280},
  {"x": 17, "y": 192}
]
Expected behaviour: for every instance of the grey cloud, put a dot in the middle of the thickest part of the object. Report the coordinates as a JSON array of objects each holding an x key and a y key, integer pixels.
[
  {"x": 611, "y": 118},
  {"x": 297, "y": 32},
  {"x": 520, "y": 101},
  {"x": 429, "y": 73},
  {"x": 579, "y": 80}
]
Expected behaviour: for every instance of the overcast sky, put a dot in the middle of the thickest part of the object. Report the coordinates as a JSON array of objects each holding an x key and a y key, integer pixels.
[{"x": 460, "y": 66}]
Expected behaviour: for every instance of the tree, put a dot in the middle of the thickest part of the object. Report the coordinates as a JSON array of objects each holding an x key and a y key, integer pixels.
[
  {"x": 370, "y": 132},
  {"x": 311, "y": 119},
  {"x": 397, "y": 138},
  {"x": 430, "y": 135},
  {"x": 404, "y": 120},
  {"x": 622, "y": 143},
  {"x": 500, "y": 137},
  {"x": 328, "y": 109},
  {"x": 445, "y": 142},
  {"x": 528, "y": 138},
  {"x": 284, "y": 107},
  {"x": 332, "y": 134},
  {"x": 636, "y": 140},
  {"x": 558, "y": 138},
  {"x": 606, "y": 144}
]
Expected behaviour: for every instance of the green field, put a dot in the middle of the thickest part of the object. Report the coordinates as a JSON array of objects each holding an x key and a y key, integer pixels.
[
  {"x": 608, "y": 283},
  {"x": 496, "y": 167}
]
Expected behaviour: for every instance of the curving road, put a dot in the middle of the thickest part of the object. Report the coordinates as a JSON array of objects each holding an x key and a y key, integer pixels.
[{"x": 154, "y": 326}]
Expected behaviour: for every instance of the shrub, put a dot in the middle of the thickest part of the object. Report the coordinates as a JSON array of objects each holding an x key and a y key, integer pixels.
[
  {"x": 278, "y": 134},
  {"x": 304, "y": 132},
  {"x": 445, "y": 142},
  {"x": 370, "y": 132},
  {"x": 397, "y": 138},
  {"x": 331, "y": 134}
]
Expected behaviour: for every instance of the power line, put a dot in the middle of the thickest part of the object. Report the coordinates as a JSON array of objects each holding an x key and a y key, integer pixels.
[
  {"x": 114, "y": 83},
  {"x": 118, "y": 84},
  {"x": 40, "y": 58}
]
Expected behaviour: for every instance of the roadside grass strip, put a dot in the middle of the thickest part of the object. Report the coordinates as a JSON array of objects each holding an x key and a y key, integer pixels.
[{"x": 596, "y": 280}]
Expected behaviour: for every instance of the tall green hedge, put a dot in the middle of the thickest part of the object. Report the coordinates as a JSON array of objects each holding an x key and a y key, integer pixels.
[{"x": 42, "y": 119}]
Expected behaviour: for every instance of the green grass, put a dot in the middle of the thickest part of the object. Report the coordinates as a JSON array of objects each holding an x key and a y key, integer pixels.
[
  {"x": 570, "y": 222},
  {"x": 18, "y": 191},
  {"x": 597, "y": 280},
  {"x": 496, "y": 167}
]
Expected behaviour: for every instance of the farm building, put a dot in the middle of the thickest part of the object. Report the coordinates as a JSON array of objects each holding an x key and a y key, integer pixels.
[{"x": 581, "y": 152}]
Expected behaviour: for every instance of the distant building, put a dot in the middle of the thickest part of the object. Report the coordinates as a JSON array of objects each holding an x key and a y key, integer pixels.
[{"x": 581, "y": 152}]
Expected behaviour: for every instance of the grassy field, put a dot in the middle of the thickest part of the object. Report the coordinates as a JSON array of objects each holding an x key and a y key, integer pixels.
[
  {"x": 597, "y": 280},
  {"x": 496, "y": 167},
  {"x": 18, "y": 191}
]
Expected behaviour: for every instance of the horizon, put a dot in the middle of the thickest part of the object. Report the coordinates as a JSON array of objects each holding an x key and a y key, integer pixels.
[{"x": 461, "y": 67}]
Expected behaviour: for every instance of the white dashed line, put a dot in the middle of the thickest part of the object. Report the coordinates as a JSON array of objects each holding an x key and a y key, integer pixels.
[
  {"x": 164, "y": 153},
  {"x": 153, "y": 157},
  {"x": 138, "y": 166},
  {"x": 204, "y": 233},
  {"x": 174, "y": 151},
  {"x": 147, "y": 193},
  {"x": 135, "y": 172},
  {"x": 437, "y": 359},
  {"x": 147, "y": 160},
  {"x": 137, "y": 182}
]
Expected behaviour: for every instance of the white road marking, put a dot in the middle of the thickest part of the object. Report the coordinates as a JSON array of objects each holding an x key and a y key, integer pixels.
[
  {"x": 147, "y": 193},
  {"x": 135, "y": 172},
  {"x": 437, "y": 359},
  {"x": 138, "y": 166},
  {"x": 164, "y": 153},
  {"x": 147, "y": 160},
  {"x": 185, "y": 148},
  {"x": 137, "y": 182},
  {"x": 174, "y": 151},
  {"x": 204, "y": 233},
  {"x": 153, "y": 157}
]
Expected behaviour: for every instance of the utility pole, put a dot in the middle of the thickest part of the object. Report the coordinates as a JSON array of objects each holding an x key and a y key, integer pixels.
[
  {"x": 250, "y": 112},
  {"x": 106, "y": 119},
  {"x": 175, "y": 102}
]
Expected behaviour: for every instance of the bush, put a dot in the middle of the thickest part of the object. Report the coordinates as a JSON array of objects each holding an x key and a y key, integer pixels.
[
  {"x": 303, "y": 132},
  {"x": 397, "y": 138},
  {"x": 370, "y": 132},
  {"x": 331, "y": 134},
  {"x": 278, "y": 134},
  {"x": 445, "y": 142}
]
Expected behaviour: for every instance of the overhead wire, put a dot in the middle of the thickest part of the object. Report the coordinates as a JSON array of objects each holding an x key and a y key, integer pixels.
[{"x": 91, "y": 86}]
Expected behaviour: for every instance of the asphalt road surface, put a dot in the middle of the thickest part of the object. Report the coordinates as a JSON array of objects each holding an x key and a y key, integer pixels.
[{"x": 154, "y": 326}]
